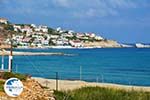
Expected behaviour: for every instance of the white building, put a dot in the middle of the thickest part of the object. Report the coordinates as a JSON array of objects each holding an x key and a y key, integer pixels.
[
  {"x": 27, "y": 29},
  {"x": 45, "y": 42},
  {"x": 67, "y": 35},
  {"x": 59, "y": 42},
  {"x": 76, "y": 43},
  {"x": 16, "y": 27},
  {"x": 99, "y": 38},
  {"x": 58, "y": 29},
  {"x": 39, "y": 33},
  {"x": 41, "y": 28},
  {"x": 79, "y": 35},
  {"x": 70, "y": 31},
  {"x": 54, "y": 36},
  {"x": 92, "y": 35},
  {"x": 33, "y": 25},
  {"x": 3, "y": 20}
]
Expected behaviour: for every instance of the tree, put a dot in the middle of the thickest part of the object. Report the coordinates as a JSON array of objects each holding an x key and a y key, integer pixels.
[
  {"x": 51, "y": 42},
  {"x": 8, "y": 27},
  {"x": 50, "y": 30}
]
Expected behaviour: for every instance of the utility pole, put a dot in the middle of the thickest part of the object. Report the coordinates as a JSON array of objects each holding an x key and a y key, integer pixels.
[
  {"x": 102, "y": 78},
  {"x": 11, "y": 55},
  {"x": 16, "y": 68}
]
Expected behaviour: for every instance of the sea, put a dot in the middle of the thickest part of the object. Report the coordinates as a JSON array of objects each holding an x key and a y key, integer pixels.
[{"x": 127, "y": 66}]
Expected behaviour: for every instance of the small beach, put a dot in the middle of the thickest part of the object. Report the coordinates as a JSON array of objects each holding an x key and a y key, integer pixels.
[{"x": 65, "y": 85}]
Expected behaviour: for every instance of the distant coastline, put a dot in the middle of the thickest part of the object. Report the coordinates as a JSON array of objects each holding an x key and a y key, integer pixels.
[
  {"x": 41, "y": 36},
  {"x": 69, "y": 47},
  {"x": 31, "y": 35}
]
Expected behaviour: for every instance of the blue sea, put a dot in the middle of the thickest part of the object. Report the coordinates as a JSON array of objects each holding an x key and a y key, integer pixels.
[{"x": 128, "y": 66}]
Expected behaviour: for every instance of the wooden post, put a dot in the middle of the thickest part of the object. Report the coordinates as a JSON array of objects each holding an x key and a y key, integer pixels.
[{"x": 56, "y": 81}]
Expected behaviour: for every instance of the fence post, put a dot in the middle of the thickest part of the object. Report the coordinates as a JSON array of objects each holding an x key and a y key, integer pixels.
[
  {"x": 102, "y": 78},
  {"x": 16, "y": 68},
  {"x": 97, "y": 80},
  {"x": 80, "y": 73},
  {"x": 56, "y": 81}
]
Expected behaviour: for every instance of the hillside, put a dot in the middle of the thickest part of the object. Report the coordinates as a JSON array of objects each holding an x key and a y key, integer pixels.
[
  {"x": 41, "y": 36},
  {"x": 5, "y": 32}
]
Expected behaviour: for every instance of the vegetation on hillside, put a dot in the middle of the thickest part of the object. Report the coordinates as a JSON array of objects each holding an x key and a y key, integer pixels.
[
  {"x": 52, "y": 31},
  {"x": 7, "y": 75},
  {"x": 6, "y": 30},
  {"x": 8, "y": 27},
  {"x": 98, "y": 93},
  {"x": 2, "y": 85}
]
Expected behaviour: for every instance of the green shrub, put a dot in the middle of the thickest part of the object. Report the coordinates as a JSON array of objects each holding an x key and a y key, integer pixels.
[
  {"x": 20, "y": 76},
  {"x": 59, "y": 95},
  {"x": 8, "y": 75},
  {"x": 2, "y": 85}
]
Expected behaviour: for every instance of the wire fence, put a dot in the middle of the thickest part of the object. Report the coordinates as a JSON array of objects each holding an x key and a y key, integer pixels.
[
  {"x": 81, "y": 73},
  {"x": 89, "y": 76}
]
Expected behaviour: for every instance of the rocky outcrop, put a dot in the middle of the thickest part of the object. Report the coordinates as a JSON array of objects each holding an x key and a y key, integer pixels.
[
  {"x": 103, "y": 44},
  {"x": 32, "y": 91}
]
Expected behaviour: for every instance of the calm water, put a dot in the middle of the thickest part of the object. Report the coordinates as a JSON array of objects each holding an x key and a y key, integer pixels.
[{"x": 122, "y": 66}]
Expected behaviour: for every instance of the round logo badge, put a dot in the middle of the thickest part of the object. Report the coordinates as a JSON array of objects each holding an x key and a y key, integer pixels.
[{"x": 13, "y": 87}]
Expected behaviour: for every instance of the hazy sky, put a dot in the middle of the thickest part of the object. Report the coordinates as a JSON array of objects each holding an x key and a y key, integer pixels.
[{"x": 126, "y": 21}]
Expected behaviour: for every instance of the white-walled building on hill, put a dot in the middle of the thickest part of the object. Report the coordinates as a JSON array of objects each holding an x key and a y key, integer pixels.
[{"x": 3, "y": 20}]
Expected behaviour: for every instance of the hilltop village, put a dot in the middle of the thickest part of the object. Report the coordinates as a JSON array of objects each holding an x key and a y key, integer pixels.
[{"x": 41, "y": 36}]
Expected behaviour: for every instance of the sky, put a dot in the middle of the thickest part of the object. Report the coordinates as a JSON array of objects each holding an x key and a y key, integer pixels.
[{"x": 126, "y": 21}]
